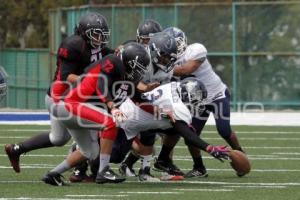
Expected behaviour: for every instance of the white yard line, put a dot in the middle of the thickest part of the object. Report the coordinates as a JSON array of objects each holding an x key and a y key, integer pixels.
[
  {"x": 275, "y": 147},
  {"x": 271, "y": 159},
  {"x": 146, "y": 192},
  {"x": 96, "y": 195},
  {"x": 244, "y": 147},
  {"x": 204, "y": 190},
  {"x": 287, "y": 153},
  {"x": 256, "y": 186},
  {"x": 39, "y": 155},
  {"x": 23, "y": 130},
  {"x": 259, "y": 132},
  {"x": 254, "y": 138},
  {"x": 31, "y": 198}
]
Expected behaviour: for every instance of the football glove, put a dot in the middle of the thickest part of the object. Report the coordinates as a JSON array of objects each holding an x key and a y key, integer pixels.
[{"x": 218, "y": 152}]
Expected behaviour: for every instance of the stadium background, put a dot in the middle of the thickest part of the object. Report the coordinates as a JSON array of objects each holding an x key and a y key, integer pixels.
[{"x": 253, "y": 46}]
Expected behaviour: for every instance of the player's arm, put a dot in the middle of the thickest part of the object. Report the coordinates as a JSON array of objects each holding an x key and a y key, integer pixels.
[
  {"x": 196, "y": 54},
  {"x": 144, "y": 87},
  {"x": 68, "y": 55},
  {"x": 72, "y": 78},
  {"x": 181, "y": 128},
  {"x": 188, "y": 68}
]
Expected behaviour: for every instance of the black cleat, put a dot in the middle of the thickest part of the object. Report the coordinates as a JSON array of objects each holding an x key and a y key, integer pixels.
[
  {"x": 196, "y": 173},
  {"x": 53, "y": 178},
  {"x": 146, "y": 176},
  {"x": 167, "y": 166},
  {"x": 13, "y": 155},
  {"x": 108, "y": 176},
  {"x": 125, "y": 170}
]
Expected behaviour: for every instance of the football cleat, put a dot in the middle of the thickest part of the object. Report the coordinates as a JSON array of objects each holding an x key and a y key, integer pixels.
[
  {"x": 167, "y": 166},
  {"x": 13, "y": 155},
  {"x": 196, "y": 173},
  {"x": 146, "y": 176},
  {"x": 107, "y": 175},
  {"x": 53, "y": 178},
  {"x": 125, "y": 170}
]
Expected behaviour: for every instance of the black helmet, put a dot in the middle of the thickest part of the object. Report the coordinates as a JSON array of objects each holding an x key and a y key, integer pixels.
[
  {"x": 180, "y": 38},
  {"x": 163, "y": 51},
  {"x": 3, "y": 83},
  {"x": 146, "y": 29},
  {"x": 136, "y": 61},
  {"x": 94, "y": 29},
  {"x": 192, "y": 90}
]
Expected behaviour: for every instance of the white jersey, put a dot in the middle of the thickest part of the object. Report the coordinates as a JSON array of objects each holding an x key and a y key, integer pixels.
[
  {"x": 214, "y": 85},
  {"x": 158, "y": 76},
  {"x": 166, "y": 98}
]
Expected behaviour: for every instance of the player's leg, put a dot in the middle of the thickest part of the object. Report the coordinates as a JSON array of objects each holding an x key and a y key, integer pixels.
[
  {"x": 164, "y": 161},
  {"x": 138, "y": 120},
  {"x": 58, "y": 136},
  {"x": 199, "y": 169},
  {"x": 145, "y": 150},
  {"x": 88, "y": 149},
  {"x": 79, "y": 173},
  {"x": 88, "y": 116},
  {"x": 221, "y": 110}
]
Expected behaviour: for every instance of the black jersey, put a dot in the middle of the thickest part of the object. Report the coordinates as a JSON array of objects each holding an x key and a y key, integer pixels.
[
  {"x": 73, "y": 56},
  {"x": 103, "y": 78}
]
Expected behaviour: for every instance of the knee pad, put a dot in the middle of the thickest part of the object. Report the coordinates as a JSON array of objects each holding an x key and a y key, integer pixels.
[{"x": 59, "y": 139}]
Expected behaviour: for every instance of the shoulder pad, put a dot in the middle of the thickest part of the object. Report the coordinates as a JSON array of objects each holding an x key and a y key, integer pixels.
[
  {"x": 196, "y": 51},
  {"x": 71, "y": 48}
]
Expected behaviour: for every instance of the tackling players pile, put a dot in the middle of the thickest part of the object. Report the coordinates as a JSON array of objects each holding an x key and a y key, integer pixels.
[{"x": 116, "y": 102}]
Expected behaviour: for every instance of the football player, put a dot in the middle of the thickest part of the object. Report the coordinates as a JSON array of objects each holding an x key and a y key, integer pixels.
[
  {"x": 111, "y": 79},
  {"x": 192, "y": 61},
  {"x": 170, "y": 100},
  {"x": 152, "y": 79},
  {"x": 76, "y": 52},
  {"x": 162, "y": 49}
]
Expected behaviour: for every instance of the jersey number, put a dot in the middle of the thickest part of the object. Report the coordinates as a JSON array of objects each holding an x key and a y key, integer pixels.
[{"x": 96, "y": 56}]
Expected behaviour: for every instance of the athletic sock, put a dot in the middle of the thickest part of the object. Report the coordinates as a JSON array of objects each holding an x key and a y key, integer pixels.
[
  {"x": 145, "y": 161},
  {"x": 104, "y": 161},
  {"x": 36, "y": 142},
  {"x": 62, "y": 167},
  {"x": 198, "y": 163}
]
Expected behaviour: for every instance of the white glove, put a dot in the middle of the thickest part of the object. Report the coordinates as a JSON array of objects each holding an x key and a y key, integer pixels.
[{"x": 118, "y": 115}]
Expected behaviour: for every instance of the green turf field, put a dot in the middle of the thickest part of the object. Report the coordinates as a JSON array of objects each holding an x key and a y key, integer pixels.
[{"x": 273, "y": 151}]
